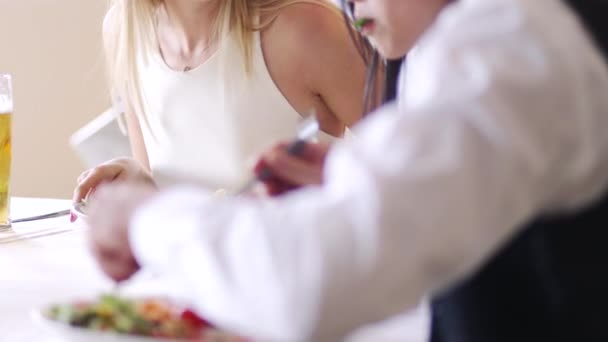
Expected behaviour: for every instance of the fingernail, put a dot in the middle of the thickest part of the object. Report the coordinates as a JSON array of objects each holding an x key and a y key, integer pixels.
[{"x": 73, "y": 217}]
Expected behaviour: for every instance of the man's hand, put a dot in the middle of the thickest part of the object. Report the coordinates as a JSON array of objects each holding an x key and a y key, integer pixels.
[
  {"x": 291, "y": 172},
  {"x": 109, "y": 215}
]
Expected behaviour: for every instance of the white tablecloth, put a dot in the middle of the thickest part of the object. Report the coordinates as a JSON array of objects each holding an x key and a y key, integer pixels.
[{"x": 34, "y": 273}]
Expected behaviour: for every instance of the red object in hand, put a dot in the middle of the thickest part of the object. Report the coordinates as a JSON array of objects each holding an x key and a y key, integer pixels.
[
  {"x": 274, "y": 185},
  {"x": 194, "y": 319}
]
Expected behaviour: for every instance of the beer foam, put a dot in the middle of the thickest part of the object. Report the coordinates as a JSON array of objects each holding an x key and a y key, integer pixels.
[{"x": 6, "y": 105}]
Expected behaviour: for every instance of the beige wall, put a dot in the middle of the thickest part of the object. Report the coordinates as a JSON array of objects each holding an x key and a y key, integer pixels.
[{"x": 53, "y": 50}]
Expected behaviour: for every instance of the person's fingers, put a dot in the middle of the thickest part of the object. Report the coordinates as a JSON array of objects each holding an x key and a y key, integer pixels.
[
  {"x": 259, "y": 166},
  {"x": 281, "y": 190},
  {"x": 276, "y": 187},
  {"x": 310, "y": 151},
  {"x": 294, "y": 170},
  {"x": 314, "y": 152},
  {"x": 120, "y": 271},
  {"x": 116, "y": 264},
  {"x": 83, "y": 175},
  {"x": 93, "y": 178},
  {"x": 77, "y": 195},
  {"x": 108, "y": 237},
  {"x": 283, "y": 172}
]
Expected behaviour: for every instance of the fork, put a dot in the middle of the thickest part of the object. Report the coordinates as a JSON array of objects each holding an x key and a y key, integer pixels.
[
  {"x": 43, "y": 217},
  {"x": 307, "y": 130}
]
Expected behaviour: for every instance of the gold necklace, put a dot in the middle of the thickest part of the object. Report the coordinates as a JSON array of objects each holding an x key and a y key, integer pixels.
[{"x": 204, "y": 52}]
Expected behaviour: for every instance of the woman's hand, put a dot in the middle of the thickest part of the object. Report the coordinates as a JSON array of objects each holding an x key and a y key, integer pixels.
[
  {"x": 110, "y": 211},
  {"x": 125, "y": 169},
  {"x": 291, "y": 172}
]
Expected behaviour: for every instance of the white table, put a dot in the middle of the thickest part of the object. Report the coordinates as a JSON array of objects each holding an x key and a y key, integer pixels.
[
  {"x": 39, "y": 271},
  {"x": 49, "y": 269},
  {"x": 34, "y": 273}
]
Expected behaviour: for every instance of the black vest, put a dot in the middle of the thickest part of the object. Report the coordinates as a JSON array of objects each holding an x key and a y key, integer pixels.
[
  {"x": 391, "y": 79},
  {"x": 551, "y": 282}
]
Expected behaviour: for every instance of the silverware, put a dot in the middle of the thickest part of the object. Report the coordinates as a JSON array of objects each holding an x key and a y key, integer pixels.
[
  {"x": 44, "y": 217},
  {"x": 34, "y": 235},
  {"x": 77, "y": 209},
  {"x": 307, "y": 130}
]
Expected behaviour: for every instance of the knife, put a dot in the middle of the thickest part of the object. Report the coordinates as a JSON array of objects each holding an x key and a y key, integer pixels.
[{"x": 44, "y": 217}]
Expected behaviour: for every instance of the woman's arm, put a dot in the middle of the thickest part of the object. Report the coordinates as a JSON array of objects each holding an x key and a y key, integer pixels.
[{"x": 138, "y": 146}]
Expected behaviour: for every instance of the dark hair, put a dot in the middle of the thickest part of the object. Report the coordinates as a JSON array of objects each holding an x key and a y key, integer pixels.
[{"x": 375, "y": 65}]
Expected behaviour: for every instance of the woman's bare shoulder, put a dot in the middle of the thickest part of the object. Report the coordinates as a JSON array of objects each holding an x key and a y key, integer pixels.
[
  {"x": 304, "y": 35},
  {"x": 309, "y": 45},
  {"x": 306, "y": 26}
]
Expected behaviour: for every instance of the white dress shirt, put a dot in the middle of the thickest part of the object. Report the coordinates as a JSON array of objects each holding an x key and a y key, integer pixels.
[{"x": 502, "y": 117}]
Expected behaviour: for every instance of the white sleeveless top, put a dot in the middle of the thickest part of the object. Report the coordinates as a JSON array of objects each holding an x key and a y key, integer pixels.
[{"x": 209, "y": 125}]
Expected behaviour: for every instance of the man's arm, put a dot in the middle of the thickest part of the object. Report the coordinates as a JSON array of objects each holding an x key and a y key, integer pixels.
[{"x": 494, "y": 135}]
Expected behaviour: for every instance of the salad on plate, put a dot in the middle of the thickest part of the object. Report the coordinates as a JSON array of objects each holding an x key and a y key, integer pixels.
[{"x": 147, "y": 317}]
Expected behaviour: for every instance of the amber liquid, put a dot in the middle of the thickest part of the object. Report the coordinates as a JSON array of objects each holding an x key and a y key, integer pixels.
[{"x": 5, "y": 168}]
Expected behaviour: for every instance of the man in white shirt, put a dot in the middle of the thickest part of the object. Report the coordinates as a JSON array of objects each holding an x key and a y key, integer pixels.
[{"x": 502, "y": 119}]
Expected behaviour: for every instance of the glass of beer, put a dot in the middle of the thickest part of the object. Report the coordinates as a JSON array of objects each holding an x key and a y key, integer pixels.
[{"x": 6, "y": 111}]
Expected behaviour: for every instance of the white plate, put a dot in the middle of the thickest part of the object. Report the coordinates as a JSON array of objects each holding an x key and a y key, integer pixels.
[{"x": 77, "y": 334}]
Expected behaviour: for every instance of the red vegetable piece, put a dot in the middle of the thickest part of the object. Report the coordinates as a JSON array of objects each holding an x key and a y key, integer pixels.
[{"x": 194, "y": 319}]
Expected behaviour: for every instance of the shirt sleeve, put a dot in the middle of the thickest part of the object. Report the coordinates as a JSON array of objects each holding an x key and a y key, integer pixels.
[{"x": 494, "y": 129}]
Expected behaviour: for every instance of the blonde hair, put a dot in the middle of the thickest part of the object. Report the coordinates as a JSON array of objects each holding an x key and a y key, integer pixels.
[{"x": 130, "y": 36}]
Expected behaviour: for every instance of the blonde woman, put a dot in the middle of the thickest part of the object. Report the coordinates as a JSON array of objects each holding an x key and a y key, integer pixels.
[{"x": 208, "y": 84}]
